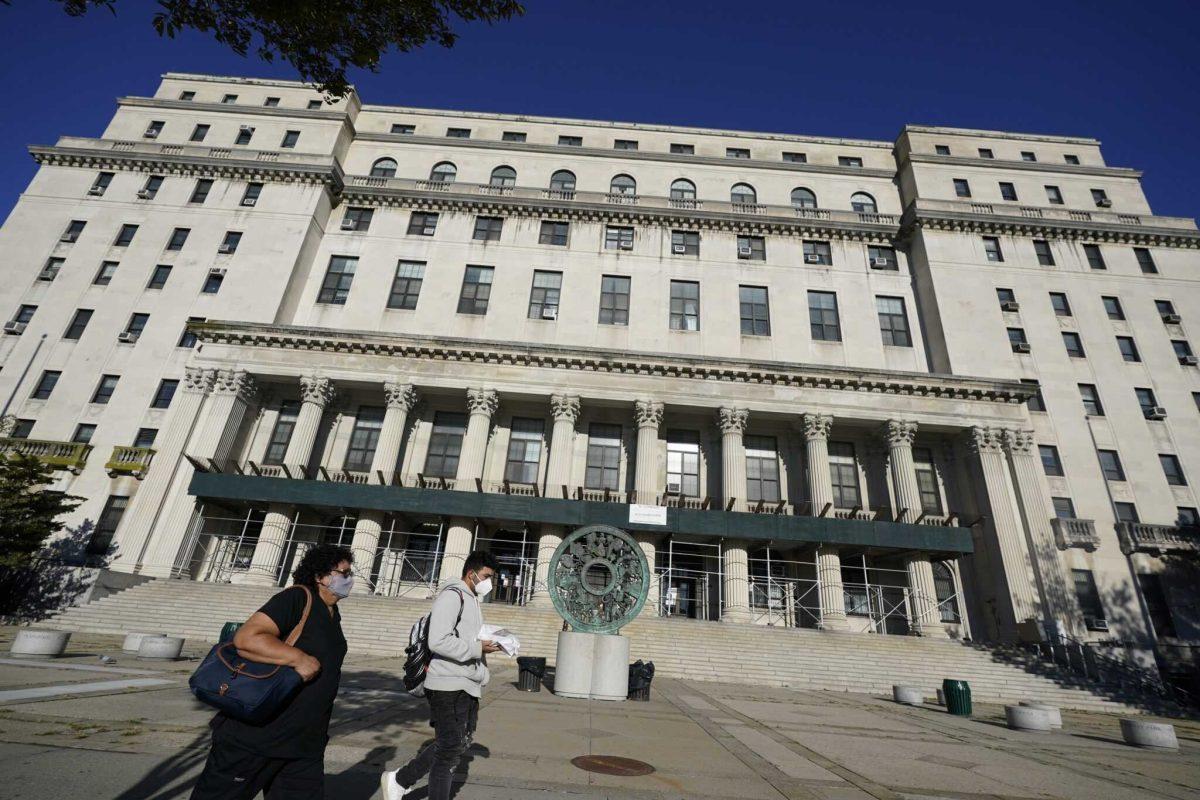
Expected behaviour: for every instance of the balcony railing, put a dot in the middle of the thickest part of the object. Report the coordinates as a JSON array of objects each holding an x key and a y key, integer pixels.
[
  {"x": 1143, "y": 537},
  {"x": 1070, "y": 533},
  {"x": 133, "y": 461},
  {"x": 923, "y": 205},
  {"x": 193, "y": 151},
  {"x": 71, "y": 456}
]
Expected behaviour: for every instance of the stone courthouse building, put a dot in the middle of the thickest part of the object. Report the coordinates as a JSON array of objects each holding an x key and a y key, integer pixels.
[{"x": 941, "y": 386}]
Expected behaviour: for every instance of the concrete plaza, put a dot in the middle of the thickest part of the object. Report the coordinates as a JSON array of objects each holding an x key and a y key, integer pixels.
[{"x": 76, "y": 728}]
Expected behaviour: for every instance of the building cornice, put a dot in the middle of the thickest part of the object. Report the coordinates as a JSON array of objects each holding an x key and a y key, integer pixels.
[
  {"x": 977, "y": 132},
  {"x": 1023, "y": 166},
  {"x": 603, "y": 360},
  {"x": 570, "y": 151}
]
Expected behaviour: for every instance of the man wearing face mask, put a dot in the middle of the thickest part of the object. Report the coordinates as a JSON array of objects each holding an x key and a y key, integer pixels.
[
  {"x": 454, "y": 682},
  {"x": 285, "y": 757}
]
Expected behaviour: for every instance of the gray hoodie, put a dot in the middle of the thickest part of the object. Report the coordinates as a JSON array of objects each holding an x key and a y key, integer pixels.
[{"x": 457, "y": 656}]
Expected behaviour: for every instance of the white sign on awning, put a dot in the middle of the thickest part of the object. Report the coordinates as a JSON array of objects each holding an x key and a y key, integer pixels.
[{"x": 647, "y": 515}]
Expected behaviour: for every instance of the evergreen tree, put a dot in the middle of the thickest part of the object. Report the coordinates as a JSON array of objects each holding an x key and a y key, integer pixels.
[{"x": 29, "y": 512}]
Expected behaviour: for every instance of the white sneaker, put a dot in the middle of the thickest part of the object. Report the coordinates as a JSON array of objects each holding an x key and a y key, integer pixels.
[{"x": 392, "y": 790}]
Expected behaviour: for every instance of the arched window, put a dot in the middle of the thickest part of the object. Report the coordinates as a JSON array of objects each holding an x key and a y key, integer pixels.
[
  {"x": 384, "y": 168},
  {"x": 563, "y": 181},
  {"x": 943, "y": 587},
  {"x": 863, "y": 203},
  {"x": 444, "y": 172},
  {"x": 504, "y": 176},
  {"x": 803, "y": 198},
  {"x": 743, "y": 194},
  {"x": 683, "y": 189},
  {"x": 623, "y": 184}
]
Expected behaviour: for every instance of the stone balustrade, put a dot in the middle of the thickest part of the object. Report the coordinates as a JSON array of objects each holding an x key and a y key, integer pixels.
[
  {"x": 1070, "y": 533},
  {"x": 71, "y": 456},
  {"x": 1144, "y": 537},
  {"x": 133, "y": 461}
]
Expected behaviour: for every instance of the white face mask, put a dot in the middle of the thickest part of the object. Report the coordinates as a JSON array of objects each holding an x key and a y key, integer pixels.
[
  {"x": 483, "y": 587},
  {"x": 340, "y": 585}
]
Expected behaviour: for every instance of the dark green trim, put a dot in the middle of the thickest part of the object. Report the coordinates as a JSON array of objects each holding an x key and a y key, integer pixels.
[{"x": 574, "y": 513}]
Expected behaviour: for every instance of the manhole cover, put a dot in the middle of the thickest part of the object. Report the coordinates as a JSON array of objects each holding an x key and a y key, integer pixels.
[{"x": 612, "y": 765}]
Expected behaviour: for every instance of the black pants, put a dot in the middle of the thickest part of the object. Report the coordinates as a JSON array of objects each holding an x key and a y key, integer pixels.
[
  {"x": 453, "y": 716},
  {"x": 233, "y": 773}
]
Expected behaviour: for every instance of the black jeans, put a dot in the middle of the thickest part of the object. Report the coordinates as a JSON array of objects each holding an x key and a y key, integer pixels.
[
  {"x": 452, "y": 715},
  {"x": 232, "y": 773}
]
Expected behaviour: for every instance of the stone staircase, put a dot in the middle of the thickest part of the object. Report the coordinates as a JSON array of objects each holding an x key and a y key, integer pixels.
[{"x": 704, "y": 651}]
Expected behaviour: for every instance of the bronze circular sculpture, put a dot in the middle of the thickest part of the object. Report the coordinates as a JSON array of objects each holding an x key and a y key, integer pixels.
[{"x": 599, "y": 579}]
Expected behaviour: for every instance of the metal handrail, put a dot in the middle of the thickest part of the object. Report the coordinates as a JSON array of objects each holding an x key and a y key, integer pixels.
[{"x": 1096, "y": 666}]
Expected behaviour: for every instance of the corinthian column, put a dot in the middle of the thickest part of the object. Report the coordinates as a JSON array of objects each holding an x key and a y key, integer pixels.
[
  {"x": 733, "y": 482},
  {"x": 646, "y": 476},
  {"x": 899, "y": 435},
  {"x": 816, "y": 449},
  {"x": 482, "y": 404},
  {"x": 922, "y": 596},
  {"x": 565, "y": 410}
]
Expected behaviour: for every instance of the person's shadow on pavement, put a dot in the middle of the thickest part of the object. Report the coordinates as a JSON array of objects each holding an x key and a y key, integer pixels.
[
  {"x": 461, "y": 773},
  {"x": 360, "y": 781}
]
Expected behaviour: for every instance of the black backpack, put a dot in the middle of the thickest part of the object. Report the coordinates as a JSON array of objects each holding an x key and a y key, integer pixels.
[{"x": 418, "y": 655}]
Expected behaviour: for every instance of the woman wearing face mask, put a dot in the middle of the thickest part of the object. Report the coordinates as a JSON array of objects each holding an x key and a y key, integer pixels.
[
  {"x": 454, "y": 681},
  {"x": 285, "y": 757}
]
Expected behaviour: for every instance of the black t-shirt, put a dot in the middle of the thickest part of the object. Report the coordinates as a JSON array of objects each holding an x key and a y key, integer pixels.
[{"x": 302, "y": 728}]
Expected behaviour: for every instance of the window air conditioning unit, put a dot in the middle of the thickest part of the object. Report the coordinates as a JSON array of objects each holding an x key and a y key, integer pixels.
[
  {"x": 127, "y": 337},
  {"x": 68, "y": 238},
  {"x": 47, "y": 274},
  {"x": 96, "y": 191},
  {"x": 1096, "y": 624},
  {"x": 246, "y": 129},
  {"x": 1171, "y": 319},
  {"x": 881, "y": 262},
  {"x": 674, "y": 487},
  {"x": 1022, "y": 347},
  {"x": 217, "y": 271},
  {"x": 14, "y": 327},
  {"x": 224, "y": 248},
  {"x": 428, "y": 231},
  {"x": 1189, "y": 361},
  {"x": 249, "y": 201},
  {"x": 550, "y": 312},
  {"x": 1104, "y": 203},
  {"x": 678, "y": 248},
  {"x": 150, "y": 133},
  {"x": 1010, "y": 305},
  {"x": 1156, "y": 412},
  {"x": 744, "y": 252},
  {"x": 626, "y": 245},
  {"x": 812, "y": 258},
  {"x": 144, "y": 194},
  {"x": 349, "y": 224}
]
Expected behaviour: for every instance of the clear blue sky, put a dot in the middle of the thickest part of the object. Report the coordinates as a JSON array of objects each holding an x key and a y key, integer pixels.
[{"x": 1125, "y": 73}]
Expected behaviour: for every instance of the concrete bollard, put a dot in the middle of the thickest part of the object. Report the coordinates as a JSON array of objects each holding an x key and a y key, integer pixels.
[
  {"x": 134, "y": 640},
  {"x": 39, "y": 643},
  {"x": 1154, "y": 735},
  {"x": 160, "y": 648},
  {"x": 1024, "y": 718},
  {"x": 1051, "y": 711},
  {"x": 908, "y": 695},
  {"x": 941, "y": 697}
]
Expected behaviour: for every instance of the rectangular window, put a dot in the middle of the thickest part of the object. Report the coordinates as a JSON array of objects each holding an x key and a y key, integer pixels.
[
  {"x": 186, "y": 96},
  {"x": 1148, "y": 402},
  {"x": 22, "y": 429},
  {"x": 1183, "y": 351},
  {"x": 1044, "y": 255},
  {"x": 271, "y": 102},
  {"x": 212, "y": 282},
  {"x": 1100, "y": 198},
  {"x": 614, "y": 300},
  {"x": 357, "y": 219},
  {"x": 1112, "y": 307},
  {"x": 24, "y": 314},
  {"x": 178, "y": 238},
  {"x": 893, "y": 321},
  {"x": 553, "y": 232},
  {"x": 1145, "y": 260},
  {"x": 229, "y": 244},
  {"x": 83, "y": 433},
  {"x": 245, "y": 133},
  {"x": 991, "y": 247},
  {"x": 458, "y": 133},
  {"x": 476, "y": 289},
  {"x": 737, "y": 152},
  {"x": 818, "y": 253},
  {"x": 1110, "y": 465},
  {"x": 51, "y": 269},
  {"x": 100, "y": 185},
  {"x": 625, "y": 144},
  {"x": 1166, "y": 310},
  {"x": 406, "y": 286},
  {"x": 104, "y": 389},
  {"x": 762, "y": 470},
  {"x": 487, "y": 229},
  {"x": 1051, "y": 464},
  {"x": 512, "y": 136},
  {"x": 882, "y": 257},
  {"x": 153, "y": 129},
  {"x": 618, "y": 237},
  {"x": 364, "y": 438},
  {"x": 253, "y": 192},
  {"x": 125, "y": 235},
  {"x": 1126, "y": 512},
  {"x": 335, "y": 288},
  {"x": 314, "y": 105},
  {"x": 1017, "y": 340},
  {"x": 927, "y": 482},
  {"x": 685, "y": 306},
  {"x": 544, "y": 294},
  {"x": 281, "y": 434},
  {"x": 1128, "y": 349},
  {"x": 1028, "y": 156},
  {"x": 941, "y": 149},
  {"x": 71, "y": 234},
  {"x": 823, "y": 317},
  {"x": 78, "y": 324},
  {"x": 422, "y": 223},
  {"x": 1187, "y": 517},
  {"x": 1070, "y": 159},
  {"x": 685, "y": 243},
  {"x": 1007, "y": 191},
  {"x": 106, "y": 525},
  {"x": 1094, "y": 258},
  {"x": 1074, "y": 344},
  {"x": 570, "y": 141},
  {"x": 158, "y": 278},
  {"x": 524, "y": 450},
  {"x": 1091, "y": 400},
  {"x": 1054, "y": 195},
  {"x": 164, "y": 394},
  {"x": 603, "y": 457},
  {"x": 1157, "y": 607},
  {"x": 843, "y": 474},
  {"x": 752, "y": 248},
  {"x": 755, "y": 310},
  {"x": 1058, "y": 301},
  {"x": 683, "y": 149},
  {"x": 849, "y": 161},
  {"x": 445, "y": 444},
  {"x": 45, "y": 385},
  {"x": 153, "y": 184},
  {"x": 137, "y": 323},
  {"x": 1063, "y": 508},
  {"x": 1036, "y": 402},
  {"x": 198, "y": 133},
  {"x": 188, "y": 338},
  {"x": 403, "y": 129},
  {"x": 200, "y": 193},
  {"x": 1087, "y": 595},
  {"x": 962, "y": 188},
  {"x": 683, "y": 463},
  {"x": 986, "y": 152},
  {"x": 145, "y": 437},
  {"x": 1007, "y": 298},
  {"x": 795, "y": 158}
]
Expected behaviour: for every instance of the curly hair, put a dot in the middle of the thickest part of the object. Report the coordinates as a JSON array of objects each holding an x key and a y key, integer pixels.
[{"x": 318, "y": 562}]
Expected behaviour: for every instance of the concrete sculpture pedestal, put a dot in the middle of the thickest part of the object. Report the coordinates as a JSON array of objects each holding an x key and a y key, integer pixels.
[
  {"x": 38, "y": 643},
  {"x": 592, "y": 666}
]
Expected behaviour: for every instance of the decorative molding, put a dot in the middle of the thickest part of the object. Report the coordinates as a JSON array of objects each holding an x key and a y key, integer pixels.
[
  {"x": 816, "y": 426},
  {"x": 235, "y": 382},
  {"x": 1029, "y": 166},
  {"x": 733, "y": 420},
  {"x": 982, "y": 440},
  {"x": 317, "y": 390},
  {"x": 197, "y": 380},
  {"x": 565, "y": 408},
  {"x": 899, "y": 432},
  {"x": 482, "y": 401},
  {"x": 649, "y": 413},
  {"x": 1017, "y": 442},
  {"x": 616, "y": 362},
  {"x": 400, "y": 395}
]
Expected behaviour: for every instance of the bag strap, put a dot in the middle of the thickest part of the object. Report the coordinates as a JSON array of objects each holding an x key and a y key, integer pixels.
[{"x": 294, "y": 636}]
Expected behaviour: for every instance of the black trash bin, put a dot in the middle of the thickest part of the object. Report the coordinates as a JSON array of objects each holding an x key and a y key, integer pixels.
[
  {"x": 227, "y": 631},
  {"x": 530, "y": 671},
  {"x": 641, "y": 673},
  {"x": 958, "y": 697}
]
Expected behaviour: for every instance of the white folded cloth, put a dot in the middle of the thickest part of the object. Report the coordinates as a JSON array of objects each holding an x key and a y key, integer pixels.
[{"x": 508, "y": 642}]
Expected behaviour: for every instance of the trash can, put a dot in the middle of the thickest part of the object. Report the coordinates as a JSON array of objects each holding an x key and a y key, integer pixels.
[
  {"x": 640, "y": 675},
  {"x": 530, "y": 671},
  {"x": 958, "y": 697},
  {"x": 227, "y": 631}
]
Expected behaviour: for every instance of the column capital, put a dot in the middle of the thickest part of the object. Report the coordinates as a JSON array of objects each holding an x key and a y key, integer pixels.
[
  {"x": 482, "y": 401},
  {"x": 816, "y": 426},
  {"x": 981, "y": 439},
  {"x": 733, "y": 420},
  {"x": 649, "y": 413},
  {"x": 400, "y": 395},
  {"x": 899, "y": 432},
  {"x": 316, "y": 389},
  {"x": 1017, "y": 442},
  {"x": 564, "y": 407},
  {"x": 236, "y": 382},
  {"x": 198, "y": 380}
]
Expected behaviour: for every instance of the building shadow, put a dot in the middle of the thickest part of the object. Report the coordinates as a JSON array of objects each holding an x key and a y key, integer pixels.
[
  {"x": 55, "y": 578},
  {"x": 169, "y": 778}
]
